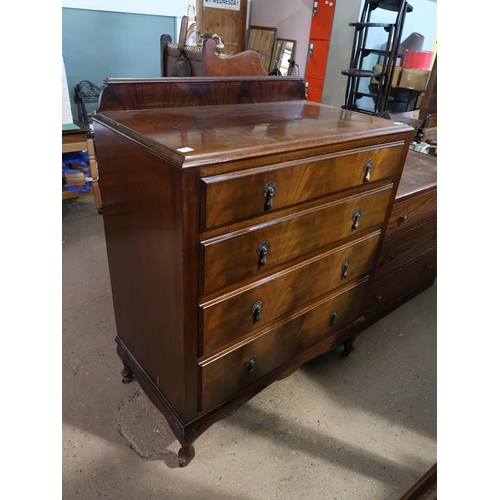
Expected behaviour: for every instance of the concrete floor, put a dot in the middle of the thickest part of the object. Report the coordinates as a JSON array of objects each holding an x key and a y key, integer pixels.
[{"x": 363, "y": 427}]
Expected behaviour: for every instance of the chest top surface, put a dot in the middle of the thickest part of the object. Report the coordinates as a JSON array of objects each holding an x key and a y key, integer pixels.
[
  {"x": 193, "y": 135},
  {"x": 419, "y": 174}
]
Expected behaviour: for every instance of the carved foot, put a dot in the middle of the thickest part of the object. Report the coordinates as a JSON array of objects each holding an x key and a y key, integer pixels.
[
  {"x": 186, "y": 454},
  {"x": 348, "y": 347},
  {"x": 126, "y": 373}
]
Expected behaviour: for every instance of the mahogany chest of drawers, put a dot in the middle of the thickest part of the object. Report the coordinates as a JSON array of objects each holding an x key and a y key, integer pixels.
[
  {"x": 407, "y": 264},
  {"x": 243, "y": 225}
]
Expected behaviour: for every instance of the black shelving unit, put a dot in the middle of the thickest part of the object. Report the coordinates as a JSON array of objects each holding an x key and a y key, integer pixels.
[{"x": 357, "y": 70}]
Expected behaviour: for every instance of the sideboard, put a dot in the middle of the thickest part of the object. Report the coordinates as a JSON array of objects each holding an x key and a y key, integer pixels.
[
  {"x": 407, "y": 264},
  {"x": 243, "y": 227}
]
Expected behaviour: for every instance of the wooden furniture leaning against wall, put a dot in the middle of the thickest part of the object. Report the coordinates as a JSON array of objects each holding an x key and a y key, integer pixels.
[
  {"x": 242, "y": 225},
  {"x": 229, "y": 23},
  {"x": 205, "y": 61}
]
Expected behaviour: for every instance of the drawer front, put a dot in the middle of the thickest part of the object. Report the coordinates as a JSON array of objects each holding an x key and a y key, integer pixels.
[
  {"x": 225, "y": 376},
  {"x": 284, "y": 294},
  {"x": 257, "y": 191},
  {"x": 412, "y": 211},
  {"x": 407, "y": 246},
  {"x": 386, "y": 291},
  {"x": 257, "y": 250}
]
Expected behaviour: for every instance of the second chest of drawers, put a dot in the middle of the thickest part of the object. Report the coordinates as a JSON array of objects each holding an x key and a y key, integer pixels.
[{"x": 408, "y": 260}]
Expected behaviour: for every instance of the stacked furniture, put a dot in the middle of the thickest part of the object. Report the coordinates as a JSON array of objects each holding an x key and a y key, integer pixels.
[
  {"x": 408, "y": 261},
  {"x": 243, "y": 225},
  {"x": 206, "y": 59},
  {"x": 359, "y": 68},
  {"x": 76, "y": 140}
]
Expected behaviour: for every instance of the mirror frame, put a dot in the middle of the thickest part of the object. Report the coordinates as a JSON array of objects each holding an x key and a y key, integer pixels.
[
  {"x": 278, "y": 49},
  {"x": 261, "y": 39}
]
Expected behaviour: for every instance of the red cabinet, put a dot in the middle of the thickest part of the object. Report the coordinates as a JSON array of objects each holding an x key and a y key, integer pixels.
[
  {"x": 322, "y": 20},
  {"x": 319, "y": 42}
]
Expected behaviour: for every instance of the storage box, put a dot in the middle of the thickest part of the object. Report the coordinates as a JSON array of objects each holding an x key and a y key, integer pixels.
[
  {"x": 414, "y": 79},
  {"x": 418, "y": 60},
  {"x": 395, "y": 76}
]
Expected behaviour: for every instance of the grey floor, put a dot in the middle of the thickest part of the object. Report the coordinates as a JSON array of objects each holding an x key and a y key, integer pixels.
[{"x": 363, "y": 427}]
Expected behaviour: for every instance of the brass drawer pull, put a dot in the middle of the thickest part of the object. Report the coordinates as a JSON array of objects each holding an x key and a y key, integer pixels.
[
  {"x": 262, "y": 251},
  {"x": 251, "y": 364},
  {"x": 403, "y": 219},
  {"x": 333, "y": 318},
  {"x": 345, "y": 268},
  {"x": 355, "y": 217},
  {"x": 257, "y": 311},
  {"x": 392, "y": 256},
  {"x": 268, "y": 192},
  {"x": 378, "y": 298},
  {"x": 367, "y": 170}
]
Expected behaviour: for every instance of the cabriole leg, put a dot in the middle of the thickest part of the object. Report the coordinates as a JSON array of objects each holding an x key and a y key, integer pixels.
[
  {"x": 186, "y": 454},
  {"x": 126, "y": 373},
  {"x": 348, "y": 347}
]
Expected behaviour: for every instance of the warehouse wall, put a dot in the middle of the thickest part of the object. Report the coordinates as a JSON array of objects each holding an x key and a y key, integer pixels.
[{"x": 98, "y": 44}]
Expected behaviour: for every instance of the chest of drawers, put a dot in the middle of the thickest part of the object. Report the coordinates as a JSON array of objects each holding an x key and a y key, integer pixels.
[
  {"x": 243, "y": 224},
  {"x": 407, "y": 264}
]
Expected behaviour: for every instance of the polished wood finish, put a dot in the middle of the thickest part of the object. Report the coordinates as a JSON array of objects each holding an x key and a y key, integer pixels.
[
  {"x": 296, "y": 182},
  {"x": 233, "y": 257},
  {"x": 223, "y": 376},
  {"x": 225, "y": 318},
  {"x": 155, "y": 94},
  {"x": 204, "y": 321},
  {"x": 407, "y": 264}
]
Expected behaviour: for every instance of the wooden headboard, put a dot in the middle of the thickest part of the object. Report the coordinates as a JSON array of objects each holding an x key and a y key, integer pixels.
[{"x": 204, "y": 61}]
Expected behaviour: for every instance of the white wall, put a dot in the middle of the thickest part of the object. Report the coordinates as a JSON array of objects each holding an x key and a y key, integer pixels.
[
  {"x": 339, "y": 53},
  {"x": 174, "y": 8}
]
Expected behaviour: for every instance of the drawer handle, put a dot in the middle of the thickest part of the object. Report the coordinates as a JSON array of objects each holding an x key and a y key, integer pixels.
[
  {"x": 403, "y": 219},
  {"x": 392, "y": 256},
  {"x": 251, "y": 364},
  {"x": 333, "y": 318},
  {"x": 345, "y": 268},
  {"x": 257, "y": 311},
  {"x": 378, "y": 298},
  {"x": 355, "y": 217},
  {"x": 268, "y": 192},
  {"x": 367, "y": 170},
  {"x": 429, "y": 267},
  {"x": 262, "y": 251}
]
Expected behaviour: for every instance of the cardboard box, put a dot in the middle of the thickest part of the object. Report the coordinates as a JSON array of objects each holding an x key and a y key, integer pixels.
[
  {"x": 395, "y": 76},
  {"x": 414, "y": 79}
]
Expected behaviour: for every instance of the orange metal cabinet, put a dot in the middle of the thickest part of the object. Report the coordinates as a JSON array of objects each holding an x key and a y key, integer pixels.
[
  {"x": 319, "y": 43},
  {"x": 322, "y": 19}
]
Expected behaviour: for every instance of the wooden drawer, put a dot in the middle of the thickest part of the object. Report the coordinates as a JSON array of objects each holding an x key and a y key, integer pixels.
[
  {"x": 407, "y": 246},
  {"x": 228, "y": 319},
  {"x": 224, "y": 376},
  {"x": 235, "y": 196},
  {"x": 235, "y": 256},
  {"x": 411, "y": 211},
  {"x": 396, "y": 286}
]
